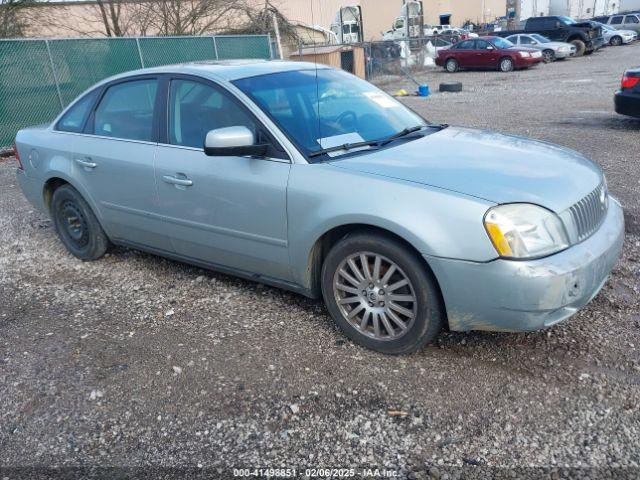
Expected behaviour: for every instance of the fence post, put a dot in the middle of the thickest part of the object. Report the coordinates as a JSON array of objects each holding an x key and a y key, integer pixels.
[
  {"x": 53, "y": 72},
  {"x": 215, "y": 47},
  {"x": 139, "y": 52}
]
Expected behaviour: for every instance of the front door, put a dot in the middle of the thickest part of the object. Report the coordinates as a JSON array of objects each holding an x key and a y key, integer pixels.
[
  {"x": 224, "y": 211},
  {"x": 485, "y": 55},
  {"x": 114, "y": 160}
]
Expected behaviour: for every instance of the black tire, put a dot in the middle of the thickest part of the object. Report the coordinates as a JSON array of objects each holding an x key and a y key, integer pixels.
[
  {"x": 615, "y": 41},
  {"x": 581, "y": 47},
  {"x": 451, "y": 87},
  {"x": 451, "y": 65},
  {"x": 429, "y": 314},
  {"x": 76, "y": 224},
  {"x": 506, "y": 64},
  {"x": 548, "y": 56}
]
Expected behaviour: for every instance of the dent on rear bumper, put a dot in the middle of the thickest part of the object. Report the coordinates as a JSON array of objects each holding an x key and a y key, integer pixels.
[{"x": 505, "y": 295}]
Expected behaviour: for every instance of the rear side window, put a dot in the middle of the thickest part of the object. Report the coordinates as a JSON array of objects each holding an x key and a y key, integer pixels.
[
  {"x": 466, "y": 45},
  {"x": 126, "y": 111},
  {"x": 616, "y": 20},
  {"x": 73, "y": 120}
]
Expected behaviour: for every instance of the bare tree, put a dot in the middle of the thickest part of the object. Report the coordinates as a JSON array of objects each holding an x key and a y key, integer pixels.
[
  {"x": 12, "y": 17},
  {"x": 110, "y": 13},
  {"x": 187, "y": 17},
  {"x": 260, "y": 20}
]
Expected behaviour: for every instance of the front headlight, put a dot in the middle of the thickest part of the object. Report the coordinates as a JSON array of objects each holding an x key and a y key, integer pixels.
[
  {"x": 525, "y": 54},
  {"x": 523, "y": 230}
]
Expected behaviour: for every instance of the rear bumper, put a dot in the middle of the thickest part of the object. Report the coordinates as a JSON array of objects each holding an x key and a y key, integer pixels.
[
  {"x": 628, "y": 103},
  {"x": 32, "y": 190},
  {"x": 504, "y": 295}
]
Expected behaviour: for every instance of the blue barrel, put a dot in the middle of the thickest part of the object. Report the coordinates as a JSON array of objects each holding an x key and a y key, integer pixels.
[{"x": 423, "y": 90}]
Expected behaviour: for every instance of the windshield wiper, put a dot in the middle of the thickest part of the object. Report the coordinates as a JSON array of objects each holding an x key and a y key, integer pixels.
[
  {"x": 377, "y": 143},
  {"x": 344, "y": 146}
]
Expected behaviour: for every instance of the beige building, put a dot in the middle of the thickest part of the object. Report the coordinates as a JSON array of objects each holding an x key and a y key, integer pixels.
[{"x": 82, "y": 18}]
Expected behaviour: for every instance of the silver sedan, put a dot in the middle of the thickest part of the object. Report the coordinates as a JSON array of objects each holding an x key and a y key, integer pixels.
[
  {"x": 615, "y": 37},
  {"x": 311, "y": 179},
  {"x": 550, "y": 50}
]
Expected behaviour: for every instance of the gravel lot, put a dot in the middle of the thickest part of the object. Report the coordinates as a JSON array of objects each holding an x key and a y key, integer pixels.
[{"x": 135, "y": 361}]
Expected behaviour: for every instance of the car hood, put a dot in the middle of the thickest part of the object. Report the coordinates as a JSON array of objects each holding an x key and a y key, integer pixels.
[{"x": 496, "y": 167}]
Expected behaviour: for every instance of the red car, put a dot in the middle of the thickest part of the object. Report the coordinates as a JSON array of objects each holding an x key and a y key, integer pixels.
[{"x": 487, "y": 52}]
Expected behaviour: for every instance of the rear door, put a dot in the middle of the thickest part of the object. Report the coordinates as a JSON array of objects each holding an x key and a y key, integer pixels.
[
  {"x": 114, "y": 160},
  {"x": 631, "y": 22},
  {"x": 229, "y": 211}
]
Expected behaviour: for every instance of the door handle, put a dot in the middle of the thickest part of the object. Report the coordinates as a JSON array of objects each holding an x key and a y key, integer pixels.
[
  {"x": 183, "y": 182},
  {"x": 86, "y": 163}
]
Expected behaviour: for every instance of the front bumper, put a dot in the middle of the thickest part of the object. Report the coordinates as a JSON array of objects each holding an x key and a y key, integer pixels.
[
  {"x": 628, "y": 103},
  {"x": 565, "y": 53},
  {"x": 507, "y": 295},
  {"x": 525, "y": 62}
]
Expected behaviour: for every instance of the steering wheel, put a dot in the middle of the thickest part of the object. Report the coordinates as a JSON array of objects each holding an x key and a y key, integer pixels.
[{"x": 348, "y": 114}]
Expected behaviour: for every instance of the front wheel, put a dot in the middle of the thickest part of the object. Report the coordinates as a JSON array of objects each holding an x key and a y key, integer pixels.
[
  {"x": 506, "y": 64},
  {"x": 548, "y": 56},
  {"x": 381, "y": 294},
  {"x": 581, "y": 47},
  {"x": 616, "y": 41},
  {"x": 76, "y": 224}
]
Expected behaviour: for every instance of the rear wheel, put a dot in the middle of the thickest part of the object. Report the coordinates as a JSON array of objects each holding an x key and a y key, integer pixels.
[
  {"x": 451, "y": 65},
  {"x": 581, "y": 47},
  {"x": 506, "y": 64},
  {"x": 380, "y": 294},
  {"x": 548, "y": 56},
  {"x": 76, "y": 224},
  {"x": 615, "y": 41}
]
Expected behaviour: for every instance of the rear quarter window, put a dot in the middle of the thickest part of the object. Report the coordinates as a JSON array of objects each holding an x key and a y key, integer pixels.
[{"x": 74, "y": 119}]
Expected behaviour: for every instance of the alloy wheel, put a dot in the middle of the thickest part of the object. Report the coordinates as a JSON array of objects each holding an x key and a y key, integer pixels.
[{"x": 375, "y": 296}]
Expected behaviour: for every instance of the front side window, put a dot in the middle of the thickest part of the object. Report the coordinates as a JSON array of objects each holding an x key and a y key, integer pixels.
[
  {"x": 631, "y": 19},
  {"x": 616, "y": 20},
  {"x": 323, "y": 108},
  {"x": 399, "y": 24},
  {"x": 196, "y": 108},
  {"x": 482, "y": 45},
  {"x": 73, "y": 120},
  {"x": 525, "y": 40},
  {"x": 126, "y": 111}
]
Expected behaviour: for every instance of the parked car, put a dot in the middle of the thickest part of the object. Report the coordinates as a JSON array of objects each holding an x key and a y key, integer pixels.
[
  {"x": 487, "y": 52},
  {"x": 615, "y": 37},
  {"x": 402, "y": 226},
  {"x": 630, "y": 21},
  {"x": 627, "y": 99},
  {"x": 585, "y": 36},
  {"x": 550, "y": 50}
]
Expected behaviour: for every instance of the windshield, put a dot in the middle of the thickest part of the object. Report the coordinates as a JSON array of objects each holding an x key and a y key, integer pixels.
[
  {"x": 567, "y": 20},
  {"x": 323, "y": 108},
  {"x": 501, "y": 42},
  {"x": 540, "y": 38}
]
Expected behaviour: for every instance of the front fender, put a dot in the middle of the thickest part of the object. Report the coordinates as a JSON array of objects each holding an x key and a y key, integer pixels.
[{"x": 436, "y": 222}]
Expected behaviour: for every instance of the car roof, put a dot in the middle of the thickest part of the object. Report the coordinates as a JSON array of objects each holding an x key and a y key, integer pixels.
[{"x": 227, "y": 70}]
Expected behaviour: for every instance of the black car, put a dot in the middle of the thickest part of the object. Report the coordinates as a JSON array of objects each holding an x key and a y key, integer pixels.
[
  {"x": 585, "y": 36},
  {"x": 628, "y": 97}
]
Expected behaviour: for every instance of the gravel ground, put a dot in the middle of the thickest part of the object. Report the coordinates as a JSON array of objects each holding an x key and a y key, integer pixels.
[{"x": 136, "y": 361}]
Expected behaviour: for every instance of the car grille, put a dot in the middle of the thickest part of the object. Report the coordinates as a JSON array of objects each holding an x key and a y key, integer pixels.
[{"x": 589, "y": 212}]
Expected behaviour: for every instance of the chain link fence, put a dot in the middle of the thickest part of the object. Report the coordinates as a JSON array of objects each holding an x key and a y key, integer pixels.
[{"x": 40, "y": 77}]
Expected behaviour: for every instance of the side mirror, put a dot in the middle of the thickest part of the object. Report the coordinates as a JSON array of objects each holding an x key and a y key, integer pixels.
[{"x": 232, "y": 142}]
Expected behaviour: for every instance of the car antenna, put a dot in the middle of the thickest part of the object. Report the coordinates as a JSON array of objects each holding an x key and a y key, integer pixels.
[{"x": 315, "y": 61}]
